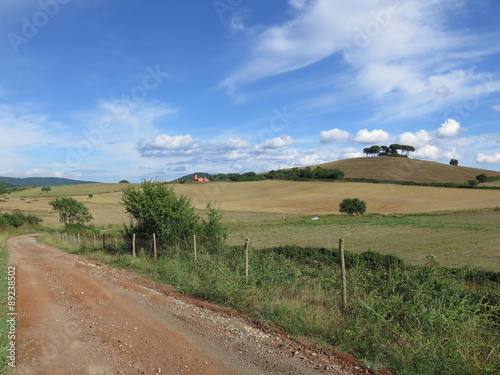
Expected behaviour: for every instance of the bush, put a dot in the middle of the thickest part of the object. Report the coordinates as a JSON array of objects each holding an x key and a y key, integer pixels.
[
  {"x": 352, "y": 206},
  {"x": 156, "y": 208},
  {"x": 482, "y": 178},
  {"x": 18, "y": 219}
]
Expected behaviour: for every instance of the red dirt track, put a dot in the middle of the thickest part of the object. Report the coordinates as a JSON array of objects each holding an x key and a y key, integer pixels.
[{"x": 79, "y": 316}]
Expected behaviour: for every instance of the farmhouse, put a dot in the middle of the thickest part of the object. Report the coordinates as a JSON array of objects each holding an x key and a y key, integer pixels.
[{"x": 200, "y": 179}]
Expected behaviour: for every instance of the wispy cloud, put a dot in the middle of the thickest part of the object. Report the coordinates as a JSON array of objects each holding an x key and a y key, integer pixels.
[{"x": 404, "y": 55}]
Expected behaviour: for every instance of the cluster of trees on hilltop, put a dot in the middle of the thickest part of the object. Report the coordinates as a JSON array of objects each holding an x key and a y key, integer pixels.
[
  {"x": 392, "y": 150},
  {"x": 283, "y": 174}
]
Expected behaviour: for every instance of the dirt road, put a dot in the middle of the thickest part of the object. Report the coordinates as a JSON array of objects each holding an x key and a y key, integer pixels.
[{"x": 78, "y": 316}]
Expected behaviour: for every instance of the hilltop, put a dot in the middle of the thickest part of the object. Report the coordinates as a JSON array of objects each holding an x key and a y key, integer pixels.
[
  {"x": 12, "y": 182},
  {"x": 405, "y": 169}
]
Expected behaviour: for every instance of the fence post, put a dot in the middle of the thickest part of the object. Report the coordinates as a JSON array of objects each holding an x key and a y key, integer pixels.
[
  {"x": 343, "y": 273},
  {"x": 247, "y": 245},
  {"x": 103, "y": 241},
  {"x": 133, "y": 246},
  {"x": 79, "y": 240},
  {"x": 194, "y": 247},
  {"x": 116, "y": 244},
  {"x": 154, "y": 246},
  {"x": 94, "y": 242}
]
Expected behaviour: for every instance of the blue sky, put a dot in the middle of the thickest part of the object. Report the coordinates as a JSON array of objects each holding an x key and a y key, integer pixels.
[{"x": 106, "y": 90}]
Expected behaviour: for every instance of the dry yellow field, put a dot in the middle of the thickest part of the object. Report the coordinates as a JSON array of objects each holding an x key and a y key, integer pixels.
[{"x": 269, "y": 197}]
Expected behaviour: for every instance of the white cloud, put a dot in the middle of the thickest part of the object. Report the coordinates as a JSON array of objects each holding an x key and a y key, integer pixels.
[
  {"x": 237, "y": 143},
  {"x": 418, "y": 139},
  {"x": 334, "y": 135},
  {"x": 429, "y": 152},
  {"x": 496, "y": 107},
  {"x": 297, "y": 4},
  {"x": 278, "y": 142},
  {"x": 450, "y": 128},
  {"x": 373, "y": 136},
  {"x": 488, "y": 159},
  {"x": 452, "y": 154},
  {"x": 167, "y": 142}
]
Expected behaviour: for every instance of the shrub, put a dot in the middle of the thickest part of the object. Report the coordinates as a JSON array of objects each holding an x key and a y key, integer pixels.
[
  {"x": 71, "y": 211},
  {"x": 352, "y": 206},
  {"x": 18, "y": 219},
  {"x": 156, "y": 208},
  {"x": 482, "y": 178}
]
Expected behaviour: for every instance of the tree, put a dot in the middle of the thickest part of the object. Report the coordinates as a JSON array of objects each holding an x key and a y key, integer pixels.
[
  {"x": 482, "y": 178},
  {"x": 3, "y": 189},
  {"x": 352, "y": 206},
  {"x": 156, "y": 208},
  {"x": 473, "y": 183},
  {"x": 71, "y": 211},
  {"x": 394, "y": 149},
  {"x": 46, "y": 189},
  {"x": 407, "y": 149},
  {"x": 124, "y": 182},
  {"x": 453, "y": 162},
  {"x": 90, "y": 195}
]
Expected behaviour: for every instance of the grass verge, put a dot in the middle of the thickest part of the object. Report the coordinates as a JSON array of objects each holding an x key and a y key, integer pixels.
[{"x": 412, "y": 319}]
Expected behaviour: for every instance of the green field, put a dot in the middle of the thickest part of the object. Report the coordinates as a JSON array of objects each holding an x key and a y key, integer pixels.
[{"x": 456, "y": 239}]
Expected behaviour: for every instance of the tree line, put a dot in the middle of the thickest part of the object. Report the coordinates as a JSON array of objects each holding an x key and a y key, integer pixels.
[
  {"x": 283, "y": 174},
  {"x": 391, "y": 150}
]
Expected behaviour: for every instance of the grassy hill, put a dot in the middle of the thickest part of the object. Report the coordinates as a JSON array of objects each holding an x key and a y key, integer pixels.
[
  {"x": 405, "y": 169},
  {"x": 40, "y": 181}
]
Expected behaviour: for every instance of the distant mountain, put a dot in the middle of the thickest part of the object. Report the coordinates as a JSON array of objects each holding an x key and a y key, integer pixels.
[{"x": 11, "y": 182}]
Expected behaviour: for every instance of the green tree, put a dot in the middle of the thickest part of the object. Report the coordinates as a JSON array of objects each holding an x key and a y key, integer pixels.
[
  {"x": 3, "y": 189},
  {"x": 352, "y": 206},
  {"x": 71, "y": 211},
  {"x": 156, "y": 208},
  {"x": 46, "y": 189},
  {"x": 90, "y": 195},
  {"x": 124, "y": 182},
  {"x": 482, "y": 178},
  {"x": 453, "y": 162}
]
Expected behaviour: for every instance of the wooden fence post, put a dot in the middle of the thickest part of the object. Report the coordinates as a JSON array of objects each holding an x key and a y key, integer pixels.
[
  {"x": 133, "y": 246},
  {"x": 94, "y": 242},
  {"x": 247, "y": 245},
  {"x": 116, "y": 244},
  {"x": 194, "y": 247},
  {"x": 154, "y": 247},
  {"x": 343, "y": 273}
]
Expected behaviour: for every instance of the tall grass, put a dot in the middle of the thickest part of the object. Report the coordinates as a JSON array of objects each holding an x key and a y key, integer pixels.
[{"x": 412, "y": 319}]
